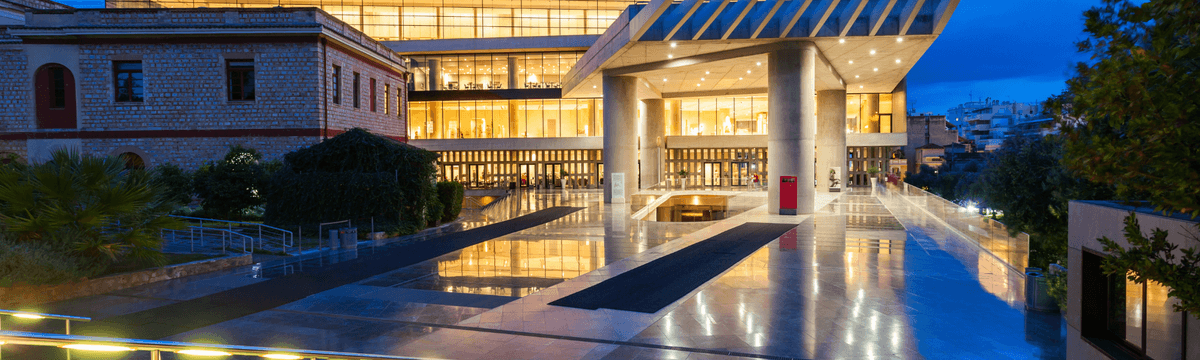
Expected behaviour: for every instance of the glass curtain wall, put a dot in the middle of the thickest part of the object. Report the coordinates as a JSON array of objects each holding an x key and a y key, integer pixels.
[
  {"x": 743, "y": 115},
  {"x": 870, "y": 114},
  {"x": 491, "y": 71},
  {"x": 484, "y": 119},
  {"x": 449, "y": 19}
]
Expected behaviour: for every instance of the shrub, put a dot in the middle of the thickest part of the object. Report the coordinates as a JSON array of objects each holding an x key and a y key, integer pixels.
[
  {"x": 175, "y": 181},
  {"x": 450, "y": 194},
  {"x": 354, "y": 175},
  {"x": 85, "y": 206},
  {"x": 36, "y": 264},
  {"x": 434, "y": 211},
  {"x": 232, "y": 186}
]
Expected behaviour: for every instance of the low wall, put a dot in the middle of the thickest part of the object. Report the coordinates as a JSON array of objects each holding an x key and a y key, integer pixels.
[
  {"x": 989, "y": 234},
  {"x": 19, "y": 296}
]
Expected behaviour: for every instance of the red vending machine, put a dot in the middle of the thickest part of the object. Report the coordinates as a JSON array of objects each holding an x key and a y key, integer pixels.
[{"x": 787, "y": 195}]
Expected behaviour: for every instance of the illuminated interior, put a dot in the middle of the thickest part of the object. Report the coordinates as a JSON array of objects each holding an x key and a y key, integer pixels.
[{"x": 505, "y": 260}]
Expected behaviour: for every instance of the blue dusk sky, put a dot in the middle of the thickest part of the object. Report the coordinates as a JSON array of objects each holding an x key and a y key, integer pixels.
[{"x": 1009, "y": 50}]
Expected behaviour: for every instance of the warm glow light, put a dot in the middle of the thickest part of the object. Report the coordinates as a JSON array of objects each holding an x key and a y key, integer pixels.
[
  {"x": 701, "y": 79},
  {"x": 759, "y": 63},
  {"x": 282, "y": 356},
  {"x": 593, "y": 86},
  {"x": 897, "y": 61},
  {"x": 669, "y": 56},
  {"x": 204, "y": 352},
  {"x": 740, "y": 78},
  {"x": 664, "y": 79},
  {"x": 672, "y": 44},
  {"x": 706, "y": 73},
  {"x": 855, "y": 76},
  {"x": 860, "y": 86},
  {"x": 876, "y": 69},
  {"x": 899, "y": 39},
  {"x": 841, "y": 41},
  {"x": 872, "y": 51},
  {"x": 92, "y": 347},
  {"x": 851, "y": 61},
  {"x": 747, "y": 71},
  {"x": 29, "y": 316}
]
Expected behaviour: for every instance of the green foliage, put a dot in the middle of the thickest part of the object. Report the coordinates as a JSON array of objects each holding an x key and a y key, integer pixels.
[
  {"x": 1155, "y": 259},
  {"x": 947, "y": 181},
  {"x": 354, "y": 175},
  {"x": 1131, "y": 115},
  {"x": 450, "y": 194},
  {"x": 87, "y": 207},
  {"x": 683, "y": 173},
  {"x": 434, "y": 211},
  {"x": 233, "y": 185},
  {"x": 36, "y": 264},
  {"x": 1026, "y": 181},
  {"x": 1056, "y": 287},
  {"x": 175, "y": 181}
]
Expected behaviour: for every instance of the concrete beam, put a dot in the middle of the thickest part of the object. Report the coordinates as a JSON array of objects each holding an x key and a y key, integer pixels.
[
  {"x": 740, "y": 9},
  {"x": 792, "y": 16},
  {"x": 681, "y": 15},
  {"x": 695, "y": 60},
  {"x": 942, "y": 15},
  {"x": 823, "y": 12},
  {"x": 716, "y": 6},
  {"x": 764, "y": 18},
  {"x": 880, "y": 14},
  {"x": 909, "y": 14},
  {"x": 646, "y": 18},
  {"x": 850, "y": 15}
]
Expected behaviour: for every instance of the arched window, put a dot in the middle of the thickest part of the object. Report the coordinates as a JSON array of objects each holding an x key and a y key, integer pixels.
[
  {"x": 133, "y": 161},
  {"x": 54, "y": 91}
]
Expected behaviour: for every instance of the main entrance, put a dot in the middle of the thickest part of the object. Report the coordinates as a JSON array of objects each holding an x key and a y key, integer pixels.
[
  {"x": 712, "y": 174},
  {"x": 553, "y": 175}
]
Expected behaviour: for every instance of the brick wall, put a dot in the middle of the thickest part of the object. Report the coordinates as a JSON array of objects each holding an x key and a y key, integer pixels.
[
  {"x": 190, "y": 153},
  {"x": 345, "y": 116},
  {"x": 15, "y": 90}
]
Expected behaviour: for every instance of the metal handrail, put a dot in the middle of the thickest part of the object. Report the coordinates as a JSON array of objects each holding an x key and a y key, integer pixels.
[
  {"x": 192, "y": 238},
  {"x": 37, "y": 316},
  {"x": 156, "y": 347},
  {"x": 285, "y": 241}
]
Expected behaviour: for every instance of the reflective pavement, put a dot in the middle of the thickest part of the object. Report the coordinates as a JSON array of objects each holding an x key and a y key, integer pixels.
[{"x": 863, "y": 278}]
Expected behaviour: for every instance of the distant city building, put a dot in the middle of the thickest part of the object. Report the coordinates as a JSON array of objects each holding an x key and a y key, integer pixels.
[
  {"x": 927, "y": 129},
  {"x": 987, "y": 123}
]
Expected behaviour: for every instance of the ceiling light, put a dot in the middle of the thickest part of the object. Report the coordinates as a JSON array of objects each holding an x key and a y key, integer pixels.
[
  {"x": 855, "y": 76},
  {"x": 204, "y": 352},
  {"x": 860, "y": 86},
  {"x": 897, "y": 61},
  {"x": 747, "y": 71},
  {"x": 705, "y": 73},
  {"x": 29, "y": 316},
  {"x": 872, "y": 51},
  {"x": 697, "y": 84},
  {"x": 899, "y": 39},
  {"x": 851, "y": 61},
  {"x": 282, "y": 356},
  {"x": 740, "y": 78},
  {"x": 759, "y": 63},
  {"x": 701, "y": 79},
  {"x": 876, "y": 69},
  {"x": 93, "y": 347},
  {"x": 593, "y": 86},
  {"x": 664, "y": 79},
  {"x": 669, "y": 56},
  {"x": 673, "y": 44},
  {"x": 841, "y": 41}
]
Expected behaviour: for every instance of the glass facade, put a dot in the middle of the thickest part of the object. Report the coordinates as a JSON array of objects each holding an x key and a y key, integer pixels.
[
  {"x": 741, "y": 115},
  {"x": 871, "y": 114},
  {"x": 717, "y": 167},
  {"x": 491, "y": 71},
  {"x": 862, "y": 158},
  {"x": 522, "y": 168},
  {"x": 451, "y": 19},
  {"x": 485, "y": 119}
]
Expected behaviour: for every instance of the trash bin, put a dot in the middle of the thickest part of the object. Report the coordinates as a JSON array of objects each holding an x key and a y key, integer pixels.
[
  {"x": 335, "y": 239},
  {"x": 1037, "y": 295},
  {"x": 350, "y": 238}
]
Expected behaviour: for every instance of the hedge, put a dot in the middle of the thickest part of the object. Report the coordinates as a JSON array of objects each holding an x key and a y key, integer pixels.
[
  {"x": 354, "y": 175},
  {"x": 450, "y": 194}
]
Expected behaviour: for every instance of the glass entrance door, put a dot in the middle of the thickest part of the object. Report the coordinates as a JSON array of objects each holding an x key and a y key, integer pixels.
[
  {"x": 475, "y": 176},
  {"x": 453, "y": 173},
  {"x": 553, "y": 175},
  {"x": 712, "y": 174},
  {"x": 527, "y": 174},
  {"x": 740, "y": 173}
]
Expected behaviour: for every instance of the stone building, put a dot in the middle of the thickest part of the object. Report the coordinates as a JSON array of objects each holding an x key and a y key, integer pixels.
[
  {"x": 925, "y": 130},
  {"x": 182, "y": 85}
]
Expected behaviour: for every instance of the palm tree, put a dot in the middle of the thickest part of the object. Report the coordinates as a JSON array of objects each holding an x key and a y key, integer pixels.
[{"x": 87, "y": 206}]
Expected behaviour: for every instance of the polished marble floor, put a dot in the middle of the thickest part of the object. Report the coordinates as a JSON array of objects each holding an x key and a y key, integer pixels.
[{"x": 864, "y": 278}]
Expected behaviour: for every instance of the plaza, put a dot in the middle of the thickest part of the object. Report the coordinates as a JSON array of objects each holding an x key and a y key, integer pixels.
[{"x": 865, "y": 277}]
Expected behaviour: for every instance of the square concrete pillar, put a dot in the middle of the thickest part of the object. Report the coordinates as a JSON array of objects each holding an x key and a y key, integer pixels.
[
  {"x": 792, "y": 127},
  {"x": 620, "y": 135}
]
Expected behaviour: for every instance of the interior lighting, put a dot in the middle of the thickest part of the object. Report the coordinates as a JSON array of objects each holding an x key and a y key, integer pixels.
[
  {"x": 29, "y": 316},
  {"x": 673, "y": 44},
  {"x": 697, "y": 84},
  {"x": 747, "y": 71},
  {"x": 740, "y": 78},
  {"x": 282, "y": 356},
  {"x": 897, "y": 61},
  {"x": 872, "y": 51},
  {"x": 2, "y": 343},
  {"x": 701, "y": 79},
  {"x": 664, "y": 79},
  {"x": 841, "y": 41},
  {"x": 94, "y": 347},
  {"x": 899, "y": 39},
  {"x": 593, "y": 86},
  {"x": 204, "y": 352}
]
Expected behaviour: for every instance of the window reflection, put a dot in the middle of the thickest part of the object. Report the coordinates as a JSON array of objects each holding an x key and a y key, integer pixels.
[{"x": 519, "y": 268}]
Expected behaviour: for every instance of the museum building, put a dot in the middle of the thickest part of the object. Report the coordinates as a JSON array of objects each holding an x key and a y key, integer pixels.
[{"x": 532, "y": 93}]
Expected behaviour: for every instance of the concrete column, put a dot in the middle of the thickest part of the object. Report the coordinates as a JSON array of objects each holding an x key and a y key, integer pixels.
[
  {"x": 620, "y": 134},
  {"x": 831, "y": 137},
  {"x": 512, "y": 73},
  {"x": 434, "y": 82},
  {"x": 791, "y": 92},
  {"x": 513, "y": 105},
  {"x": 900, "y": 123},
  {"x": 650, "y": 133},
  {"x": 435, "y": 123},
  {"x": 676, "y": 117}
]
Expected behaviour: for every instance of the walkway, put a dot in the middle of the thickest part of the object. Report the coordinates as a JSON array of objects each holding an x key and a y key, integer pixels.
[{"x": 860, "y": 279}]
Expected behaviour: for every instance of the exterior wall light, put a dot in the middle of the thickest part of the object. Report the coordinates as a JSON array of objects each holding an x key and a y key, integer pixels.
[
  {"x": 94, "y": 347},
  {"x": 204, "y": 353}
]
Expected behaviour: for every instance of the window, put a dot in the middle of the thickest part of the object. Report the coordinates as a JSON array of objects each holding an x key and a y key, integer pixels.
[
  {"x": 387, "y": 93},
  {"x": 54, "y": 87},
  {"x": 241, "y": 79},
  {"x": 372, "y": 93},
  {"x": 337, "y": 84},
  {"x": 58, "y": 83},
  {"x": 356, "y": 86},
  {"x": 127, "y": 80}
]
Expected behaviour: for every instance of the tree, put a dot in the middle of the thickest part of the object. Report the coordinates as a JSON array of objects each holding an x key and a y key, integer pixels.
[
  {"x": 85, "y": 206},
  {"x": 233, "y": 185},
  {"x": 1131, "y": 118},
  {"x": 175, "y": 181}
]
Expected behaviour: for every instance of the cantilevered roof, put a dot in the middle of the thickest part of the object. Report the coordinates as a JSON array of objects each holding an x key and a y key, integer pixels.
[{"x": 720, "y": 46}]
